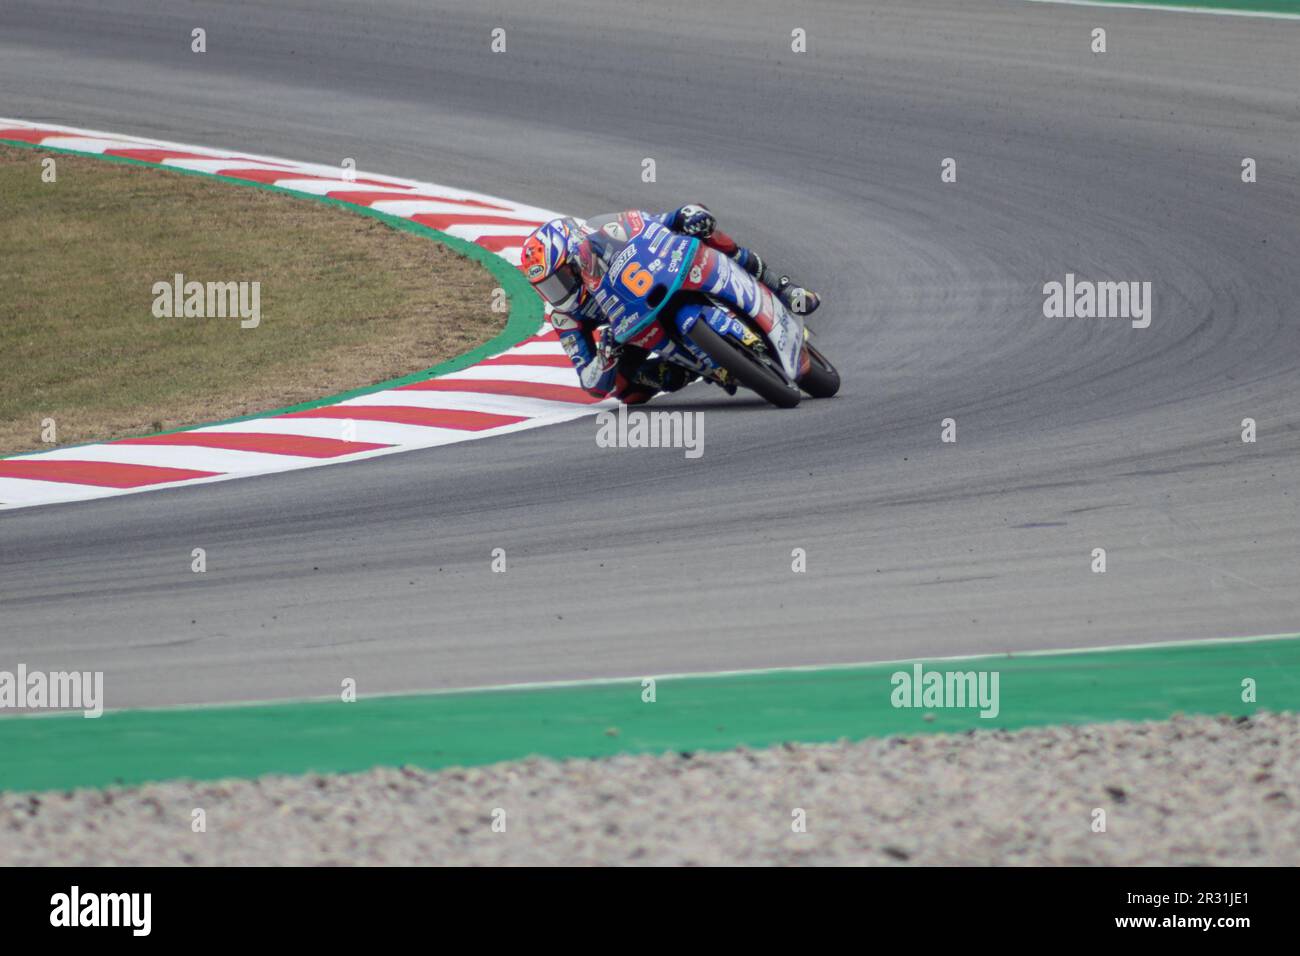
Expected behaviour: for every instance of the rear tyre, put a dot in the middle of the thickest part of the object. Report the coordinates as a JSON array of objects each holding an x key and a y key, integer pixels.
[
  {"x": 821, "y": 380},
  {"x": 747, "y": 369}
]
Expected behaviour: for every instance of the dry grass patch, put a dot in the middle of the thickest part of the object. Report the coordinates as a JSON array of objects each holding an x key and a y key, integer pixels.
[{"x": 345, "y": 300}]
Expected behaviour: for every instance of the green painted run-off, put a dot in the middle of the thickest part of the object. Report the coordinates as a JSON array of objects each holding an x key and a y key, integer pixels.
[{"x": 599, "y": 719}]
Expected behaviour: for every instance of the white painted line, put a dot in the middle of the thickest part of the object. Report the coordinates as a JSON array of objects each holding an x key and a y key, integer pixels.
[
  {"x": 545, "y": 347},
  {"x": 85, "y": 144},
  {"x": 472, "y": 402},
  {"x": 194, "y": 457},
  {"x": 380, "y": 433},
  {"x": 399, "y": 436},
  {"x": 319, "y": 188},
  {"x": 538, "y": 374},
  {"x": 686, "y": 675},
  {"x": 406, "y": 208},
  {"x": 474, "y": 231},
  {"x": 1164, "y": 8},
  {"x": 17, "y": 492},
  {"x": 214, "y": 166}
]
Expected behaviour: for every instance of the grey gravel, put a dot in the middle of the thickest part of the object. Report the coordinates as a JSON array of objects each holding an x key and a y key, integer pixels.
[{"x": 1187, "y": 791}]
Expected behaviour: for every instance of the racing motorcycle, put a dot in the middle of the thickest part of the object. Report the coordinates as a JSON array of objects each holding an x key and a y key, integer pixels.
[{"x": 675, "y": 296}]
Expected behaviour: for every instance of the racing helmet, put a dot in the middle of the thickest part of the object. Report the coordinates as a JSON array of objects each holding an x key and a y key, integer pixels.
[{"x": 550, "y": 261}]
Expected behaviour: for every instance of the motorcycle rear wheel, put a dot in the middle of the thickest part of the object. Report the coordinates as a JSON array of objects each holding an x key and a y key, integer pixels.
[
  {"x": 745, "y": 366},
  {"x": 821, "y": 380}
]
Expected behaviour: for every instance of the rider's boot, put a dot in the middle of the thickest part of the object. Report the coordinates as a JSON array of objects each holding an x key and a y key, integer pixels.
[
  {"x": 662, "y": 376},
  {"x": 794, "y": 297}
]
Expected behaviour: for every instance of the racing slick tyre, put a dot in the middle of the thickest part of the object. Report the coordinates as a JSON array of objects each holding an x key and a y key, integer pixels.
[
  {"x": 746, "y": 367},
  {"x": 821, "y": 380}
]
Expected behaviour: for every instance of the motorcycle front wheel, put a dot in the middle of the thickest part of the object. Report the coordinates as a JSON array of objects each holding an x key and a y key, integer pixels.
[{"x": 745, "y": 366}]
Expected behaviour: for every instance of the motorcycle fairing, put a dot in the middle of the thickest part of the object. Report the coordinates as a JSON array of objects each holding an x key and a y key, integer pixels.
[{"x": 723, "y": 280}]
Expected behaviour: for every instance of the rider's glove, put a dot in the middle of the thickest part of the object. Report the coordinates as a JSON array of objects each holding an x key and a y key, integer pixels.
[
  {"x": 696, "y": 221},
  {"x": 607, "y": 347},
  {"x": 605, "y": 358}
]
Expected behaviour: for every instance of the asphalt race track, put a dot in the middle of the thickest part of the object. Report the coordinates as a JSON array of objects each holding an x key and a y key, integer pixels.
[{"x": 1072, "y": 433}]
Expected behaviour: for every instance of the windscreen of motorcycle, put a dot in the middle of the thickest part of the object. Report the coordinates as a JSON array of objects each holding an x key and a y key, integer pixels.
[{"x": 594, "y": 256}]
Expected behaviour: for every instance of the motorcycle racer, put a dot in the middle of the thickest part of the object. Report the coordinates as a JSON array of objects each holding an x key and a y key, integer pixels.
[{"x": 551, "y": 260}]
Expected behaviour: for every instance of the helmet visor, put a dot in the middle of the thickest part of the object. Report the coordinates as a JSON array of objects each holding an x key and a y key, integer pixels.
[{"x": 560, "y": 288}]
